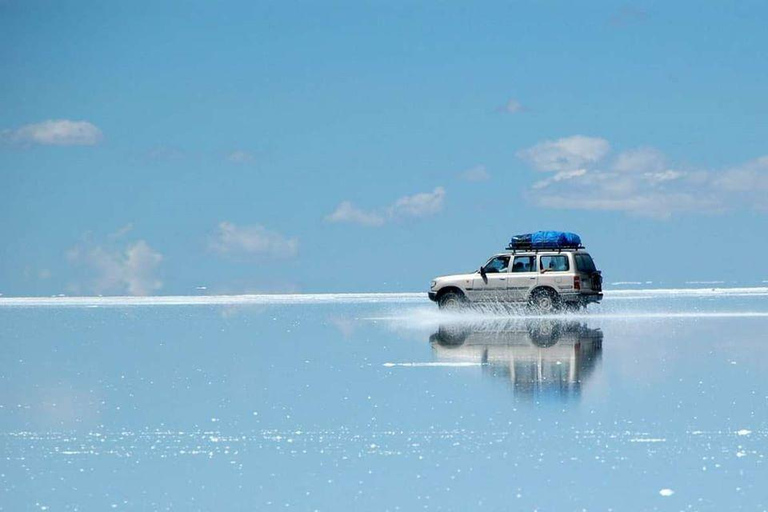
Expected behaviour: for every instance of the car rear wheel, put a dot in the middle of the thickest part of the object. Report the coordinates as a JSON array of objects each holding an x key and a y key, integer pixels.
[
  {"x": 451, "y": 300},
  {"x": 545, "y": 301}
]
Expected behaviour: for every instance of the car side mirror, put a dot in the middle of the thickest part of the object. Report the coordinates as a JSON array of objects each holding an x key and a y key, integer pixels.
[{"x": 483, "y": 274}]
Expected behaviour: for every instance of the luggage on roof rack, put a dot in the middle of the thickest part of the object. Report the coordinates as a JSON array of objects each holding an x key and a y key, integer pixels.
[{"x": 545, "y": 240}]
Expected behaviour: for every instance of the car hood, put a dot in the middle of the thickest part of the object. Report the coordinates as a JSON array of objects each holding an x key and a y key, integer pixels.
[{"x": 456, "y": 278}]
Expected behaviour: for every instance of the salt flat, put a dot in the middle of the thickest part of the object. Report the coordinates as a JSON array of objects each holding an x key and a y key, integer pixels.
[{"x": 380, "y": 402}]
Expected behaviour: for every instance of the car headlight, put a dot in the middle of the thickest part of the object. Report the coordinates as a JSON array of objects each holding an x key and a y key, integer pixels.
[{"x": 433, "y": 284}]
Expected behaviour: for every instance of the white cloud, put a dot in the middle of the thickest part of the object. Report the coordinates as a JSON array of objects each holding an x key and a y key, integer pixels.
[
  {"x": 567, "y": 154},
  {"x": 639, "y": 181},
  {"x": 347, "y": 212},
  {"x": 476, "y": 173},
  {"x": 747, "y": 183},
  {"x": 418, "y": 205},
  {"x": 240, "y": 157},
  {"x": 646, "y": 159},
  {"x": 749, "y": 177},
  {"x": 256, "y": 240},
  {"x": 59, "y": 132},
  {"x": 123, "y": 231},
  {"x": 130, "y": 269},
  {"x": 560, "y": 176},
  {"x": 653, "y": 205},
  {"x": 662, "y": 176}
]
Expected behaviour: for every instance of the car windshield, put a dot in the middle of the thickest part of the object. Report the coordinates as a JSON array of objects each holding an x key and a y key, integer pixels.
[{"x": 584, "y": 263}]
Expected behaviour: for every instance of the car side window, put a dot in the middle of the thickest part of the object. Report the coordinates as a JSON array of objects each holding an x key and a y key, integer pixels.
[
  {"x": 557, "y": 263},
  {"x": 523, "y": 264},
  {"x": 497, "y": 265}
]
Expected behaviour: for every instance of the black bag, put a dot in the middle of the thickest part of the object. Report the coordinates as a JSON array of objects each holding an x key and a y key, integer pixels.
[{"x": 520, "y": 241}]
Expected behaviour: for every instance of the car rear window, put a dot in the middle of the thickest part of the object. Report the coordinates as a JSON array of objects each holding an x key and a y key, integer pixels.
[
  {"x": 584, "y": 263},
  {"x": 554, "y": 263}
]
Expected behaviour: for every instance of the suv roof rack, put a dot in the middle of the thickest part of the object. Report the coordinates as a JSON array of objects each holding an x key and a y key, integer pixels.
[
  {"x": 545, "y": 241},
  {"x": 530, "y": 248}
]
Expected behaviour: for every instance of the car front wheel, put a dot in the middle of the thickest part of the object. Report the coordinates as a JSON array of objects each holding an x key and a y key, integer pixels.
[{"x": 451, "y": 300}]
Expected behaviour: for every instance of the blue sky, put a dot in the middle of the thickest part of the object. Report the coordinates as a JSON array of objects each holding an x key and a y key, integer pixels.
[{"x": 158, "y": 148}]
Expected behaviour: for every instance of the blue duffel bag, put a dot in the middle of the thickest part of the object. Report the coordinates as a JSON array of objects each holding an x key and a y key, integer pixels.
[{"x": 545, "y": 240}]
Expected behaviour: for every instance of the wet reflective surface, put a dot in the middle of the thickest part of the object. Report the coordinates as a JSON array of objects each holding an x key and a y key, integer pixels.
[
  {"x": 645, "y": 403},
  {"x": 541, "y": 359}
]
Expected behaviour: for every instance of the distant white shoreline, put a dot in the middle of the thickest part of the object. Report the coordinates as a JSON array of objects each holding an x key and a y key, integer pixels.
[{"x": 337, "y": 298}]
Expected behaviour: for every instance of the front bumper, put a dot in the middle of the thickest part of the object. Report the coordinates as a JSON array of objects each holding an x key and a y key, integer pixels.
[{"x": 432, "y": 296}]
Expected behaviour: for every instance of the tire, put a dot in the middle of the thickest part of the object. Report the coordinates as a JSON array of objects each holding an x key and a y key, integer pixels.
[
  {"x": 545, "y": 300},
  {"x": 450, "y": 336},
  {"x": 451, "y": 300},
  {"x": 545, "y": 333}
]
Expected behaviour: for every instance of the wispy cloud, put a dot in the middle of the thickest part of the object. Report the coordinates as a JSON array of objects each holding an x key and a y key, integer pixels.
[
  {"x": 116, "y": 266},
  {"x": 639, "y": 181},
  {"x": 645, "y": 160},
  {"x": 252, "y": 241},
  {"x": 417, "y": 205},
  {"x": 745, "y": 184},
  {"x": 240, "y": 157},
  {"x": 59, "y": 132},
  {"x": 566, "y": 154},
  {"x": 348, "y": 212},
  {"x": 476, "y": 173}
]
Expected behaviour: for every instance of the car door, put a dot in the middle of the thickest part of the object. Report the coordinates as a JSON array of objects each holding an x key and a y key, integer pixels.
[
  {"x": 522, "y": 277},
  {"x": 555, "y": 271},
  {"x": 492, "y": 286}
]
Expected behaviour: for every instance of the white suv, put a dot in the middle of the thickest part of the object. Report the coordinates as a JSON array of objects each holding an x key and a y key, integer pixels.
[{"x": 545, "y": 279}]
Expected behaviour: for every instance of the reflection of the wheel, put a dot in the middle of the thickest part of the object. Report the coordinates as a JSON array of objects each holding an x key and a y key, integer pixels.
[
  {"x": 541, "y": 358},
  {"x": 545, "y": 333}
]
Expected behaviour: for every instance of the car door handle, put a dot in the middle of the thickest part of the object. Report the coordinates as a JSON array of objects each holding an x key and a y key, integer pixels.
[
  {"x": 531, "y": 278},
  {"x": 502, "y": 279}
]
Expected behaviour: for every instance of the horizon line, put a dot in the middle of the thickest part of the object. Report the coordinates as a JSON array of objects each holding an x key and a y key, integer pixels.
[{"x": 332, "y": 298}]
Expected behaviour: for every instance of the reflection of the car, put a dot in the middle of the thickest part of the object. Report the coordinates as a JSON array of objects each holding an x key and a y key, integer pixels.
[{"x": 542, "y": 358}]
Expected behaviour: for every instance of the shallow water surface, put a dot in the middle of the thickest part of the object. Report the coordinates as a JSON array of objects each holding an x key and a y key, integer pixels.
[{"x": 646, "y": 402}]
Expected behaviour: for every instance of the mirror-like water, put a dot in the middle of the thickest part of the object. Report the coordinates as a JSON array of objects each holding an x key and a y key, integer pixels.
[{"x": 647, "y": 402}]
